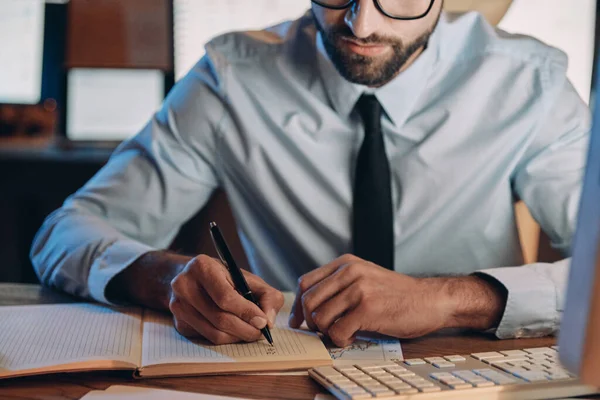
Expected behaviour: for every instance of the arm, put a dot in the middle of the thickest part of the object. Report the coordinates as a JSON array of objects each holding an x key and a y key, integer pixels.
[
  {"x": 137, "y": 202},
  {"x": 103, "y": 242},
  {"x": 350, "y": 295},
  {"x": 549, "y": 181}
]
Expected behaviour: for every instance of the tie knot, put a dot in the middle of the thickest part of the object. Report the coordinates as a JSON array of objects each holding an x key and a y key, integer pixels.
[{"x": 369, "y": 109}]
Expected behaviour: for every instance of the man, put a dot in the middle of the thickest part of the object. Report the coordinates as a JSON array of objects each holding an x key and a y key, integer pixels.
[{"x": 371, "y": 151}]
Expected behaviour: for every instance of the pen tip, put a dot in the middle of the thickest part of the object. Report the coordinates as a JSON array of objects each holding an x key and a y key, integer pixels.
[{"x": 213, "y": 224}]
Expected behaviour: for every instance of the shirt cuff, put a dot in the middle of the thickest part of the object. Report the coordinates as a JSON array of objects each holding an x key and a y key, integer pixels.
[
  {"x": 113, "y": 260},
  {"x": 531, "y": 303}
]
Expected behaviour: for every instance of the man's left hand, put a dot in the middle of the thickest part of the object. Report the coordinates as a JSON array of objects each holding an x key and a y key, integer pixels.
[{"x": 350, "y": 295}]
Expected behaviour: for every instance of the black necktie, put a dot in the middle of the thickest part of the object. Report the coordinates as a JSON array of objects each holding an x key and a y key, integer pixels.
[{"x": 373, "y": 219}]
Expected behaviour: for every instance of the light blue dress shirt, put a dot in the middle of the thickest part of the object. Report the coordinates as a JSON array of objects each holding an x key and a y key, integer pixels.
[{"x": 480, "y": 119}]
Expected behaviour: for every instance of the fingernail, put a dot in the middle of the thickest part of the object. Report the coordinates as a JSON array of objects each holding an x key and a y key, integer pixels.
[
  {"x": 258, "y": 322},
  {"x": 271, "y": 315}
]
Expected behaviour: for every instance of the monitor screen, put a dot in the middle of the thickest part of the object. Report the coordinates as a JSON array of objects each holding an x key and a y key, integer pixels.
[
  {"x": 111, "y": 104},
  {"x": 568, "y": 25},
  {"x": 21, "y": 50},
  {"x": 197, "y": 21}
]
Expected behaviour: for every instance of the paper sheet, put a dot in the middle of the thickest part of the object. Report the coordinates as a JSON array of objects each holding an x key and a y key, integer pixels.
[
  {"x": 48, "y": 335},
  {"x": 142, "y": 393},
  {"x": 366, "y": 348},
  {"x": 162, "y": 344}
]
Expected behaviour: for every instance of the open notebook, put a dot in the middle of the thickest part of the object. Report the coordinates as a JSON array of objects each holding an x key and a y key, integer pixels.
[{"x": 44, "y": 339}]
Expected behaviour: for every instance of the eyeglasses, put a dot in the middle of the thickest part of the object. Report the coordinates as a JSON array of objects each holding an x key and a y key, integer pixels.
[{"x": 396, "y": 9}]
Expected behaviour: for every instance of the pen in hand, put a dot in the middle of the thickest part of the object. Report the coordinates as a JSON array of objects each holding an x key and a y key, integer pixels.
[{"x": 236, "y": 273}]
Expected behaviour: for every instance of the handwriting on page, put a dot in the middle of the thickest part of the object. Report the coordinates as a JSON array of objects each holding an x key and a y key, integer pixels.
[
  {"x": 162, "y": 342},
  {"x": 38, "y": 336}
]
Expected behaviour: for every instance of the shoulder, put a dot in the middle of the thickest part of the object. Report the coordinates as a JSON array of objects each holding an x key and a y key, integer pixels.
[
  {"x": 469, "y": 40},
  {"x": 248, "y": 49},
  {"x": 497, "y": 64}
]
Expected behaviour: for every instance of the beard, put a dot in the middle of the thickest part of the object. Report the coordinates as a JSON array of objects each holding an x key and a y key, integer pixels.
[{"x": 365, "y": 70}]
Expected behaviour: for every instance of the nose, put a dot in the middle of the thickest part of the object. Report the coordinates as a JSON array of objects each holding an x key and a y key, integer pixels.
[{"x": 363, "y": 18}]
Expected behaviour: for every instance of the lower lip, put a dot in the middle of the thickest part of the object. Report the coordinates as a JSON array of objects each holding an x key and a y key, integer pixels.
[{"x": 365, "y": 50}]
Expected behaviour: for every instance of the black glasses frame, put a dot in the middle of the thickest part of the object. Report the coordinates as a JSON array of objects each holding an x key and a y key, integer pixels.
[{"x": 379, "y": 7}]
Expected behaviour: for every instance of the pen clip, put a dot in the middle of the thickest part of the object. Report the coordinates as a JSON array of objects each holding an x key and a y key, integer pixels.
[{"x": 212, "y": 236}]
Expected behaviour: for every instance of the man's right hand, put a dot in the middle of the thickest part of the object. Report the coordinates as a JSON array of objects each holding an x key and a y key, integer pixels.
[{"x": 204, "y": 303}]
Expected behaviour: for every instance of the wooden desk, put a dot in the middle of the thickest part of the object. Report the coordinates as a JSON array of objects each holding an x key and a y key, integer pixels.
[{"x": 74, "y": 386}]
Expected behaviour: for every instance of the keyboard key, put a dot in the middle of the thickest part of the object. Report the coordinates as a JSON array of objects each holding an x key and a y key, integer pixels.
[
  {"x": 382, "y": 393},
  {"x": 377, "y": 372},
  {"x": 486, "y": 355},
  {"x": 399, "y": 385},
  {"x": 557, "y": 376},
  {"x": 424, "y": 384},
  {"x": 327, "y": 372},
  {"x": 455, "y": 358},
  {"x": 514, "y": 353},
  {"x": 414, "y": 361},
  {"x": 397, "y": 368},
  {"x": 386, "y": 379},
  {"x": 430, "y": 389},
  {"x": 363, "y": 378},
  {"x": 354, "y": 373},
  {"x": 458, "y": 386},
  {"x": 432, "y": 360},
  {"x": 444, "y": 364},
  {"x": 346, "y": 369},
  {"x": 482, "y": 383},
  {"x": 406, "y": 391},
  {"x": 468, "y": 376},
  {"x": 346, "y": 386},
  {"x": 537, "y": 350},
  {"x": 338, "y": 379},
  {"x": 532, "y": 376},
  {"x": 402, "y": 374},
  {"x": 441, "y": 375},
  {"x": 495, "y": 376}
]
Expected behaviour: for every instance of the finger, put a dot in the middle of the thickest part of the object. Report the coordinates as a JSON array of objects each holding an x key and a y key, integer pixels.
[
  {"x": 296, "y": 316},
  {"x": 190, "y": 323},
  {"x": 306, "y": 281},
  {"x": 270, "y": 299},
  {"x": 333, "y": 309},
  {"x": 343, "y": 331},
  {"x": 225, "y": 321},
  {"x": 184, "y": 328},
  {"x": 325, "y": 290},
  {"x": 213, "y": 278}
]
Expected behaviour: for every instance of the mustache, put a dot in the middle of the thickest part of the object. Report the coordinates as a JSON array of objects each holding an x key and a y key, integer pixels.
[{"x": 344, "y": 32}]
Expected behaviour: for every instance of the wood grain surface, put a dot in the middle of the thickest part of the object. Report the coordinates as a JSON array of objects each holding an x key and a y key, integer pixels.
[{"x": 74, "y": 386}]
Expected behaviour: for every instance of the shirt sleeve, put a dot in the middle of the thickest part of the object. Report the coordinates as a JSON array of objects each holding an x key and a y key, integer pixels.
[
  {"x": 549, "y": 181},
  {"x": 137, "y": 202}
]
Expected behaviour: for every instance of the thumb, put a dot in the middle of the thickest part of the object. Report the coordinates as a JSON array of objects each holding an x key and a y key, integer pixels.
[{"x": 270, "y": 299}]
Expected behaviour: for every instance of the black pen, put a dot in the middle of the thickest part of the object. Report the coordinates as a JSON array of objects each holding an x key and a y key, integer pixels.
[{"x": 236, "y": 274}]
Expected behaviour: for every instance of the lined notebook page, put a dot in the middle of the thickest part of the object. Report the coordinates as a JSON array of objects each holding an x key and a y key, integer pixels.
[
  {"x": 47, "y": 335},
  {"x": 163, "y": 344}
]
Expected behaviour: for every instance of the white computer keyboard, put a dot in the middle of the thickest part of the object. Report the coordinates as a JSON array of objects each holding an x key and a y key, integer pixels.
[{"x": 513, "y": 374}]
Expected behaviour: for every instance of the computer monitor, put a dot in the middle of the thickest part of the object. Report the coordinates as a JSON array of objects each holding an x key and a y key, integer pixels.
[
  {"x": 579, "y": 339},
  {"x": 197, "y": 21},
  {"x": 21, "y": 51},
  {"x": 107, "y": 104}
]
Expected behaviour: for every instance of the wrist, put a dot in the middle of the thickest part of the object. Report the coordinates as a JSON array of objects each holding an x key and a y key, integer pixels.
[
  {"x": 472, "y": 302},
  {"x": 147, "y": 281}
]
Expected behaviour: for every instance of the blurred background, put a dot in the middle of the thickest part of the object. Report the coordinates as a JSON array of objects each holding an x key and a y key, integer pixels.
[{"x": 79, "y": 76}]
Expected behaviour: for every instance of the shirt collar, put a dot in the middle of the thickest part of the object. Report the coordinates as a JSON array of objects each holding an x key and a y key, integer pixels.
[{"x": 397, "y": 97}]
